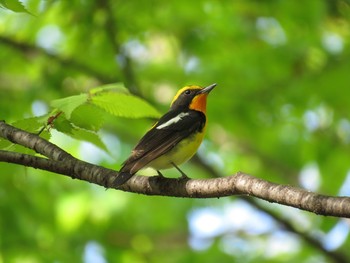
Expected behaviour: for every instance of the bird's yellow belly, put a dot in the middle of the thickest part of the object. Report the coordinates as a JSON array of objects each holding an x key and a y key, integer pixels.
[{"x": 181, "y": 153}]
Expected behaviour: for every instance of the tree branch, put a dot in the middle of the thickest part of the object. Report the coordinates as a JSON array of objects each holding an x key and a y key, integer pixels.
[
  {"x": 309, "y": 238},
  {"x": 61, "y": 162},
  {"x": 285, "y": 224}
]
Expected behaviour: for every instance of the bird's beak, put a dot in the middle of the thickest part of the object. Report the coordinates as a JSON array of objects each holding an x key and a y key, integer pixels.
[{"x": 207, "y": 89}]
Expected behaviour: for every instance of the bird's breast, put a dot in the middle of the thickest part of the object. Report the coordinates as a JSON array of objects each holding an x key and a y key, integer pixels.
[{"x": 181, "y": 153}]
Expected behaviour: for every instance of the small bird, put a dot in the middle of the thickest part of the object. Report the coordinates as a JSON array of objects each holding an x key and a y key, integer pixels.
[{"x": 174, "y": 139}]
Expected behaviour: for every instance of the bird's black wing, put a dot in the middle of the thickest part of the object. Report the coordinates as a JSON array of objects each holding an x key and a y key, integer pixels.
[{"x": 164, "y": 135}]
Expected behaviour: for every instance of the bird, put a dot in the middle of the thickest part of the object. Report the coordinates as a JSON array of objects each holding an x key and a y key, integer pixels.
[{"x": 174, "y": 138}]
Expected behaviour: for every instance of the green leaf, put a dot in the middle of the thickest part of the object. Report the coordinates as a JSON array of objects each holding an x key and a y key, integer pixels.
[
  {"x": 32, "y": 125},
  {"x": 5, "y": 144},
  {"x": 115, "y": 100},
  {"x": 66, "y": 127},
  {"x": 88, "y": 116},
  {"x": 89, "y": 136},
  {"x": 116, "y": 87},
  {"x": 69, "y": 104},
  {"x": 14, "y": 5},
  {"x": 63, "y": 125}
]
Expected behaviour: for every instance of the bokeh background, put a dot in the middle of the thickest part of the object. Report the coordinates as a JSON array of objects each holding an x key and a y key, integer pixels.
[{"x": 280, "y": 112}]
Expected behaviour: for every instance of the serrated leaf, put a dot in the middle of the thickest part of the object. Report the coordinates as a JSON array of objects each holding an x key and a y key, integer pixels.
[
  {"x": 89, "y": 136},
  {"x": 14, "y": 5},
  {"x": 63, "y": 125},
  {"x": 32, "y": 125},
  {"x": 66, "y": 127},
  {"x": 5, "y": 144},
  {"x": 88, "y": 116},
  {"x": 124, "y": 105},
  {"x": 115, "y": 87},
  {"x": 69, "y": 104}
]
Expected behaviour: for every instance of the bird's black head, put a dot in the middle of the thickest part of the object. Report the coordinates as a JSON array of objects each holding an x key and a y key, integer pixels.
[{"x": 191, "y": 97}]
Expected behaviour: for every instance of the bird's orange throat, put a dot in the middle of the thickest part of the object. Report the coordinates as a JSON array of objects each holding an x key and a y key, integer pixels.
[{"x": 199, "y": 103}]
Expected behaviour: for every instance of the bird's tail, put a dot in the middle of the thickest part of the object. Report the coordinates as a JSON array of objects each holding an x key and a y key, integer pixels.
[
  {"x": 122, "y": 178},
  {"x": 124, "y": 175}
]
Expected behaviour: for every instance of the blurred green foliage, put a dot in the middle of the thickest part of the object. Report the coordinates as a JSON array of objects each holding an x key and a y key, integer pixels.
[{"x": 280, "y": 112}]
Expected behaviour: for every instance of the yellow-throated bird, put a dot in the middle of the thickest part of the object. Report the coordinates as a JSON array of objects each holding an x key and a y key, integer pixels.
[{"x": 174, "y": 139}]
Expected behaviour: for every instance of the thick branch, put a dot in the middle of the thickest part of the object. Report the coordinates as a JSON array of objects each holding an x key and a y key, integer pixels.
[{"x": 240, "y": 184}]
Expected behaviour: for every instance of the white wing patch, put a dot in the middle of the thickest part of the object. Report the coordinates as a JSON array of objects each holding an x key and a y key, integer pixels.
[{"x": 173, "y": 120}]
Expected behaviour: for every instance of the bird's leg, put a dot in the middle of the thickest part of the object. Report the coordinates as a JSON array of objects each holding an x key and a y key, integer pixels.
[
  {"x": 183, "y": 175},
  {"x": 160, "y": 174}
]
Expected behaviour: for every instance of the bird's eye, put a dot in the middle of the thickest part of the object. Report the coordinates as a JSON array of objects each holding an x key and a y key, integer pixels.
[{"x": 188, "y": 92}]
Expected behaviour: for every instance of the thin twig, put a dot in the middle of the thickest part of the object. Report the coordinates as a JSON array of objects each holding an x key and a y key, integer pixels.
[
  {"x": 64, "y": 61},
  {"x": 111, "y": 28}
]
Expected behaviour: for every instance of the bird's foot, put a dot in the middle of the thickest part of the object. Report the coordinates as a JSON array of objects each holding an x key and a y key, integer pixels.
[
  {"x": 183, "y": 175},
  {"x": 160, "y": 174}
]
